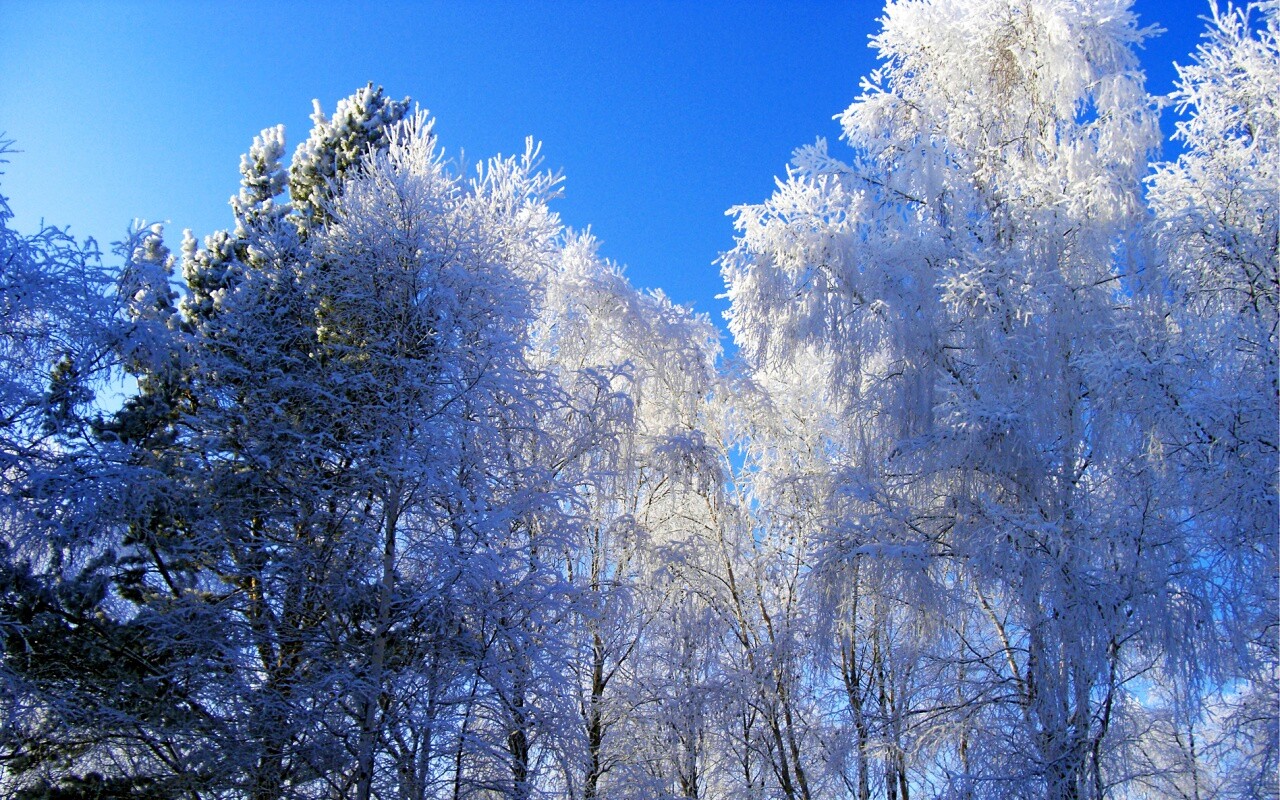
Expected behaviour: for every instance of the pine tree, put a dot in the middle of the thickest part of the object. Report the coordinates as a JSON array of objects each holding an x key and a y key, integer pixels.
[
  {"x": 58, "y": 488},
  {"x": 329, "y": 507}
]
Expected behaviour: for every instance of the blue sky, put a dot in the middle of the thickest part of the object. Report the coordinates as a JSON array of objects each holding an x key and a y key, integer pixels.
[{"x": 660, "y": 115}]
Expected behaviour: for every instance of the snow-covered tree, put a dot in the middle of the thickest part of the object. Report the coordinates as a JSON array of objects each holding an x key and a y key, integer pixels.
[
  {"x": 423, "y": 316},
  {"x": 964, "y": 291},
  {"x": 55, "y": 309},
  {"x": 413, "y": 495},
  {"x": 336, "y": 144},
  {"x": 333, "y": 549},
  {"x": 1217, "y": 217},
  {"x": 635, "y": 372},
  {"x": 57, "y": 486}
]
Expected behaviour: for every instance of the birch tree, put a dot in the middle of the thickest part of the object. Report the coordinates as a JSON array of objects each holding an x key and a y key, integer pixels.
[
  {"x": 964, "y": 287},
  {"x": 1216, "y": 214},
  {"x": 632, "y": 437}
]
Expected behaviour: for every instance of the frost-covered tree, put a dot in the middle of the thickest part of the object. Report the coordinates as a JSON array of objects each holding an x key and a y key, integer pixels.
[
  {"x": 1217, "y": 218},
  {"x": 336, "y": 144},
  {"x": 55, "y": 309},
  {"x": 423, "y": 317},
  {"x": 332, "y": 553},
  {"x": 57, "y": 486},
  {"x": 415, "y": 496},
  {"x": 844, "y": 642},
  {"x": 635, "y": 372},
  {"x": 964, "y": 289}
]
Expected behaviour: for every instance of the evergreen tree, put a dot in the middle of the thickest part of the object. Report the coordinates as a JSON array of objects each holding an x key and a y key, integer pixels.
[{"x": 328, "y": 507}]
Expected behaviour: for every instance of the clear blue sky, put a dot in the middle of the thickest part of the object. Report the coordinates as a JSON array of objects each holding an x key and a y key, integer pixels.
[{"x": 660, "y": 115}]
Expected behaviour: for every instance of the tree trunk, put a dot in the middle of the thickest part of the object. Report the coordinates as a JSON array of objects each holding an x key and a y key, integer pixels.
[
  {"x": 595, "y": 720},
  {"x": 373, "y": 682}
]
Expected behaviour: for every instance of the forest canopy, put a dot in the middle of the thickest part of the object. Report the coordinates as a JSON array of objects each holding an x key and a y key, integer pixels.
[{"x": 397, "y": 488}]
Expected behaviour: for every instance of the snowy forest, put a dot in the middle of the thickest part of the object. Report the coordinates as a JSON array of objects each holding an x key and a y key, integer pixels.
[{"x": 396, "y": 488}]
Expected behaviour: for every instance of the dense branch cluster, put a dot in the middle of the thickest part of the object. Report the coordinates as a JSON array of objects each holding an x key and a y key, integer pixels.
[{"x": 397, "y": 489}]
